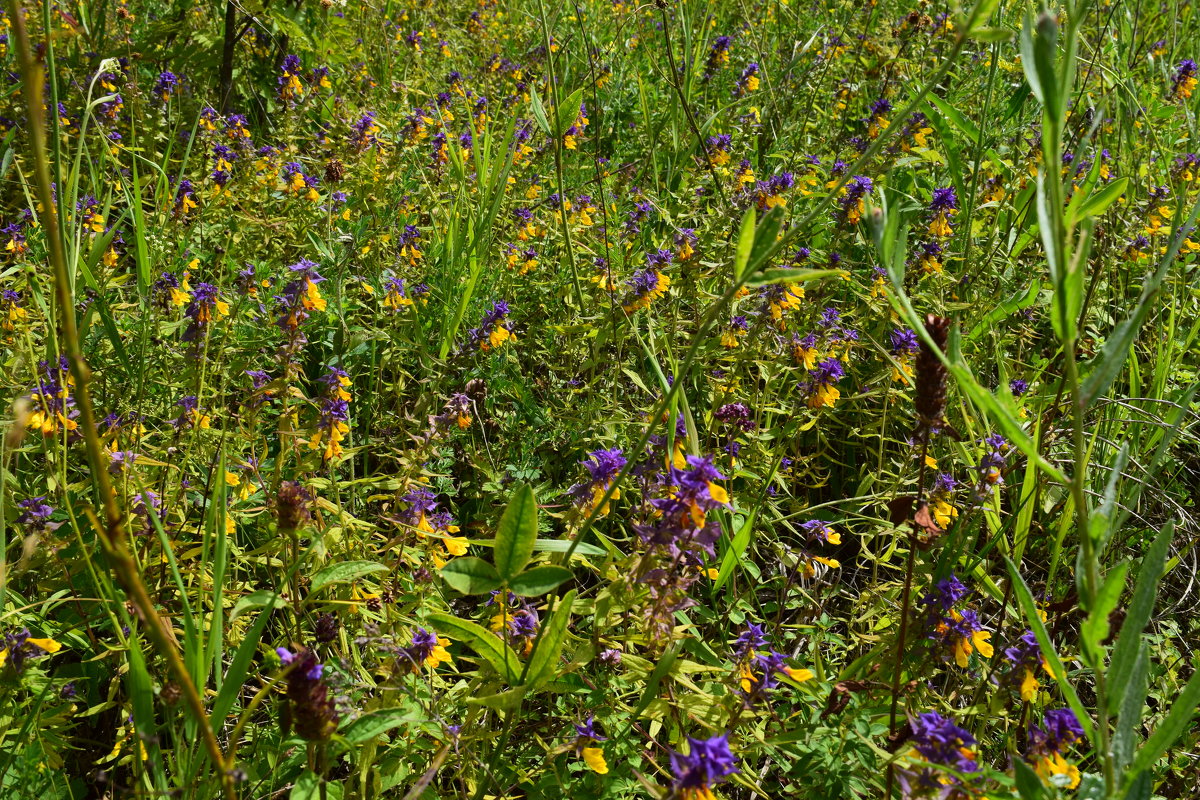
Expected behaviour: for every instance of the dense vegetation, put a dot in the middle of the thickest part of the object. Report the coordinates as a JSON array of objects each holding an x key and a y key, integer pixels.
[{"x": 683, "y": 400}]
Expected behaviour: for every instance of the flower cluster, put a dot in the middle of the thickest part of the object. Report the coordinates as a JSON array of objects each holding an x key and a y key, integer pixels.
[
  {"x": 707, "y": 763},
  {"x": 1025, "y": 662},
  {"x": 955, "y": 631},
  {"x": 1049, "y": 742},
  {"x": 313, "y": 712},
  {"x": 494, "y": 330},
  {"x": 603, "y": 467},
  {"x": 334, "y": 419},
  {"x": 943, "y": 757}
]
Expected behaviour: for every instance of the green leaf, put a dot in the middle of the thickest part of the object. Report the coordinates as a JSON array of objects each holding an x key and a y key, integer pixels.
[
  {"x": 544, "y": 661},
  {"x": 538, "y": 110},
  {"x": 239, "y": 668},
  {"x": 1029, "y": 609},
  {"x": 563, "y": 545},
  {"x": 376, "y": 723},
  {"x": 1009, "y": 306},
  {"x": 508, "y": 700},
  {"x": 1099, "y": 202},
  {"x": 1140, "y": 788},
  {"x": 991, "y": 34},
  {"x": 259, "y": 599},
  {"x": 471, "y": 575},
  {"x": 568, "y": 111},
  {"x": 1137, "y": 615},
  {"x": 1037, "y": 58},
  {"x": 1095, "y": 628},
  {"x": 741, "y": 256},
  {"x": 306, "y": 787},
  {"x": 792, "y": 276},
  {"x": 741, "y": 540},
  {"x": 1183, "y": 708},
  {"x": 765, "y": 237},
  {"x": 1131, "y": 696},
  {"x": 660, "y": 671},
  {"x": 1004, "y": 418},
  {"x": 488, "y": 645},
  {"x": 956, "y": 118},
  {"x": 1029, "y": 785},
  {"x": 539, "y": 580},
  {"x": 516, "y": 533},
  {"x": 344, "y": 572}
]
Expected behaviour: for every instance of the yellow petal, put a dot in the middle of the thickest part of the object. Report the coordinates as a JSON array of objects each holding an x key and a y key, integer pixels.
[
  {"x": 594, "y": 758},
  {"x": 49, "y": 645}
]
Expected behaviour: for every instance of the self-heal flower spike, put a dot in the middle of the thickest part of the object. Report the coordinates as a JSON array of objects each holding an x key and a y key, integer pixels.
[{"x": 312, "y": 710}]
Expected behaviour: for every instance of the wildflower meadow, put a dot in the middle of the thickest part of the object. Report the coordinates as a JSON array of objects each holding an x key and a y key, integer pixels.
[{"x": 685, "y": 400}]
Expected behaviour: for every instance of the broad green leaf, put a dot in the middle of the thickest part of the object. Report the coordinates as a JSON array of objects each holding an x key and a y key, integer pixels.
[
  {"x": 1005, "y": 309},
  {"x": 793, "y": 276},
  {"x": 516, "y": 533},
  {"x": 1029, "y": 785},
  {"x": 306, "y": 787},
  {"x": 537, "y": 581},
  {"x": 345, "y": 572},
  {"x": 544, "y": 661},
  {"x": 568, "y": 111},
  {"x": 508, "y": 700},
  {"x": 956, "y": 118},
  {"x": 538, "y": 110},
  {"x": 551, "y": 546},
  {"x": 1140, "y": 788},
  {"x": 1004, "y": 418},
  {"x": 259, "y": 599},
  {"x": 660, "y": 671},
  {"x": 991, "y": 34},
  {"x": 741, "y": 540},
  {"x": 471, "y": 575},
  {"x": 488, "y": 645},
  {"x": 1098, "y": 203},
  {"x": 766, "y": 235},
  {"x": 376, "y": 723}
]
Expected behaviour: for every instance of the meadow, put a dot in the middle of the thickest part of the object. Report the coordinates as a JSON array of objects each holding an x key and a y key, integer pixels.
[{"x": 686, "y": 400}]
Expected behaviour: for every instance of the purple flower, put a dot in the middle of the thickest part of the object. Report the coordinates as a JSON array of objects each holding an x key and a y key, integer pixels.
[{"x": 708, "y": 762}]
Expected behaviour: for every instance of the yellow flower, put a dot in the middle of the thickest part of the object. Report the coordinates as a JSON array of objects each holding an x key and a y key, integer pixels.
[
  {"x": 1058, "y": 771},
  {"x": 1029, "y": 686},
  {"x": 594, "y": 758},
  {"x": 439, "y": 654}
]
